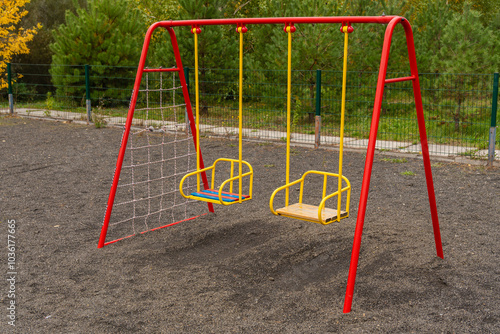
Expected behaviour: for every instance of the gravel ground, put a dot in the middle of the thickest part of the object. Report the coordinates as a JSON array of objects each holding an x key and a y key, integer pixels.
[{"x": 241, "y": 269}]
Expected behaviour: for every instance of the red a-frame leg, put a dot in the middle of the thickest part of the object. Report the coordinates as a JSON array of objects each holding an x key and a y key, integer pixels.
[
  {"x": 371, "y": 150},
  {"x": 130, "y": 116}
]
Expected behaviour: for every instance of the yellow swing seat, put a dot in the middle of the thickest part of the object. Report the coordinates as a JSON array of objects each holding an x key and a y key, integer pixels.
[
  {"x": 219, "y": 196},
  {"x": 312, "y": 213}
]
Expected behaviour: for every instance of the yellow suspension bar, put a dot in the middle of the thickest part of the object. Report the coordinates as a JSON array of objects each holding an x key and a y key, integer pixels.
[
  {"x": 197, "y": 99},
  {"x": 288, "y": 107},
  {"x": 342, "y": 117},
  {"x": 240, "y": 30}
]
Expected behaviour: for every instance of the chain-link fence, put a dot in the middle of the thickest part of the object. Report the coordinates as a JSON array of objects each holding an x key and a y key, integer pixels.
[{"x": 460, "y": 109}]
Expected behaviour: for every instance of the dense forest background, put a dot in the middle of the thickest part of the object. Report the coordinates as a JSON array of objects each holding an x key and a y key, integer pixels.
[
  {"x": 451, "y": 35},
  {"x": 457, "y": 47}
]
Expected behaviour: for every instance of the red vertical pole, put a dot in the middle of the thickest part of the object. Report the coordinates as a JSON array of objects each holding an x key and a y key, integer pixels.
[
  {"x": 368, "y": 166},
  {"x": 126, "y": 133},
  {"x": 423, "y": 136},
  {"x": 187, "y": 100},
  {"x": 371, "y": 150}
]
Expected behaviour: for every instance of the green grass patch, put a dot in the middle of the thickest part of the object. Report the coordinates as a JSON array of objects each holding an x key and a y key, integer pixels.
[{"x": 394, "y": 160}]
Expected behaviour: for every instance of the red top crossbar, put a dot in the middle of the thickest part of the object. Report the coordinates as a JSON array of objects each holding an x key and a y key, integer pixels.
[{"x": 278, "y": 20}]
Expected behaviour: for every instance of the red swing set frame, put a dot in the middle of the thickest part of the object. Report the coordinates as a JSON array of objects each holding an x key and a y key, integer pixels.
[{"x": 391, "y": 22}]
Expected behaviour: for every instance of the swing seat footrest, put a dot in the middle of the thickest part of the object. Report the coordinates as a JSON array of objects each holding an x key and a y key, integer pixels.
[
  {"x": 310, "y": 213},
  {"x": 214, "y": 194}
]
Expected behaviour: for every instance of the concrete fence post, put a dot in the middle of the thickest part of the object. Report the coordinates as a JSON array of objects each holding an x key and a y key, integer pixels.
[
  {"x": 9, "y": 83},
  {"x": 317, "y": 118},
  {"x": 87, "y": 93},
  {"x": 493, "y": 124}
]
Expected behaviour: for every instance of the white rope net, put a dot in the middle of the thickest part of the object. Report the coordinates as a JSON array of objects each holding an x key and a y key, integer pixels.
[{"x": 160, "y": 151}]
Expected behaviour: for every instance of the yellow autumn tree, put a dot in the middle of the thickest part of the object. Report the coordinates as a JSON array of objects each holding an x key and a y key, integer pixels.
[{"x": 13, "y": 39}]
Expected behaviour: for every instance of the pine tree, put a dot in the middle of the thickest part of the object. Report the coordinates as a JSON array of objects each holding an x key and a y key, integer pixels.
[
  {"x": 314, "y": 46},
  {"x": 217, "y": 45},
  {"x": 105, "y": 35},
  {"x": 50, "y": 14},
  {"x": 467, "y": 47},
  {"x": 429, "y": 19},
  {"x": 157, "y": 10}
]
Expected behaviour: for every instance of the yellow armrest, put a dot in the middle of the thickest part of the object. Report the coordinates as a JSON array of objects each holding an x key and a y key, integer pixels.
[
  {"x": 280, "y": 189},
  {"x": 191, "y": 174}
]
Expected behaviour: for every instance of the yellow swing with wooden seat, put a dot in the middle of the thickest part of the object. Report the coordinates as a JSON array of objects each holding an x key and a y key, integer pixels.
[
  {"x": 315, "y": 213},
  {"x": 213, "y": 194}
]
